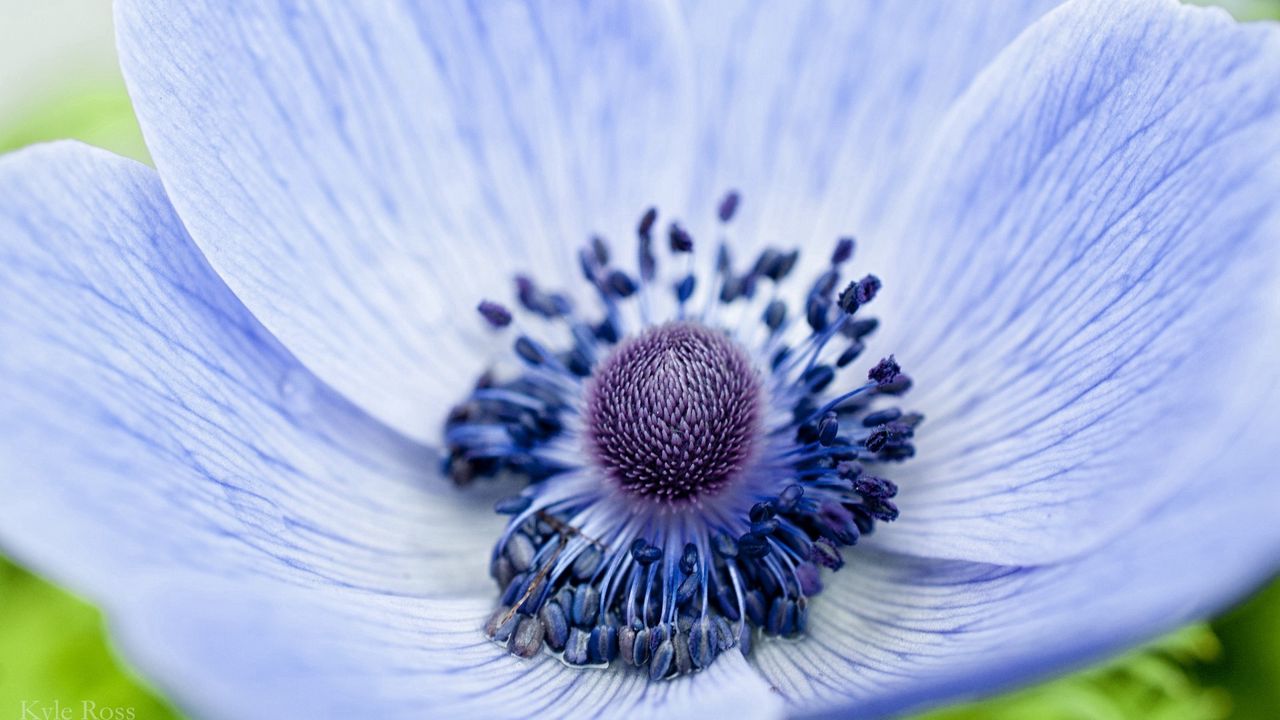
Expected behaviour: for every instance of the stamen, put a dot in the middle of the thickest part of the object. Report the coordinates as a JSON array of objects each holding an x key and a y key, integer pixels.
[{"x": 495, "y": 314}]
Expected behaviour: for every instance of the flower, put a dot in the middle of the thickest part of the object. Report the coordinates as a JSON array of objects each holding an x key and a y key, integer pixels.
[{"x": 223, "y": 381}]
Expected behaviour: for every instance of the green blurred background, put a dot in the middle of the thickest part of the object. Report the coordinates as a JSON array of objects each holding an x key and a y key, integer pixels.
[{"x": 58, "y": 79}]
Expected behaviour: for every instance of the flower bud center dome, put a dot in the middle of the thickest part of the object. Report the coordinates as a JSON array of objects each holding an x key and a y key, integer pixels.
[{"x": 674, "y": 414}]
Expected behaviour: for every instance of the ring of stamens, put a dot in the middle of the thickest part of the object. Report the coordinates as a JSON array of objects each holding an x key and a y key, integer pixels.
[{"x": 685, "y": 485}]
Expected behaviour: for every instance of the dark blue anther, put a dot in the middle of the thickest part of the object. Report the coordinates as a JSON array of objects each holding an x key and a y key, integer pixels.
[
  {"x": 756, "y": 607},
  {"x": 577, "y": 363},
  {"x": 586, "y": 563},
  {"x": 684, "y": 290},
  {"x": 560, "y": 304},
  {"x": 818, "y": 377},
  {"x": 802, "y": 615},
  {"x": 501, "y": 571},
  {"x": 753, "y": 546},
  {"x": 850, "y": 354},
  {"x": 512, "y": 593},
  {"x": 825, "y": 553},
  {"x": 872, "y": 486},
  {"x": 727, "y": 602},
  {"x": 689, "y": 559},
  {"x": 837, "y": 523},
  {"x": 885, "y": 371},
  {"x": 577, "y": 649},
  {"x": 764, "y": 527},
  {"x": 764, "y": 261},
  {"x": 858, "y": 329},
  {"x": 536, "y": 301},
  {"x": 788, "y": 498},
  {"x": 775, "y": 622},
  {"x": 526, "y": 641},
  {"x": 816, "y": 313},
  {"x": 761, "y": 511},
  {"x": 627, "y": 644},
  {"x": 501, "y": 624},
  {"x": 898, "y": 385},
  {"x": 795, "y": 538},
  {"x": 843, "y": 251},
  {"x": 825, "y": 283},
  {"x": 728, "y": 206},
  {"x": 640, "y": 648},
  {"x": 660, "y": 663},
  {"x": 744, "y": 640},
  {"x": 496, "y": 315},
  {"x": 808, "y": 578},
  {"x": 881, "y": 509},
  {"x": 657, "y": 635},
  {"x": 848, "y": 299},
  {"x": 603, "y": 646},
  {"x": 779, "y": 357},
  {"x": 859, "y": 293},
  {"x": 828, "y": 428},
  {"x": 530, "y": 351},
  {"x": 520, "y": 551},
  {"x": 725, "y": 546},
  {"x": 867, "y": 289},
  {"x": 683, "y": 658},
  {"x": 586, "y": 605},
  {"x": 652, "y": 613},
  {"x": 807, "y": 433},
  {"x": 648, "y": 262},
  {"x": 525, "y": 290},
  {"x": 681, "y": 240},
  {"x": 911, "y": 419},
  {"x": 862, "y": 520},
  {"x": 887, "y": 434},
  {"x": 789, "y": 619},
  {"x": 724, "y": 261},
  {"x": 644, "y": 228},
  {"x": 512, "y": 505},
  {"x": 775, "y": 264},
  {"x": 621, "y": 284},
  {"x": 556, "y": 625},
  {"x": 781, "y": 265},
  {"x": 644, "y": 553},
  {"x": 587, "y": 265},
  {"x": 849, "y": 469},
  {"x": 775, "y": 314},
  {"x": 687, "y": 589},
  {"x": 881, "y": 417},
  {"x": 733, "y": 288},
  {"x": 599, "y": 250},
  {"x": 702, "y": 643},
  {"x": 607, "y": 331},
  {"x": 723, "y": 632}
]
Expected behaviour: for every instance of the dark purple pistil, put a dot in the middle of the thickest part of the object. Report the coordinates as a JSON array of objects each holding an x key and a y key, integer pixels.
[{"x": 673, "y": 414}]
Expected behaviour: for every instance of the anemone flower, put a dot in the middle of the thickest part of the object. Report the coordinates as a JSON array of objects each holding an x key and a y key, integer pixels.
[{"x": 250, "y": 408}]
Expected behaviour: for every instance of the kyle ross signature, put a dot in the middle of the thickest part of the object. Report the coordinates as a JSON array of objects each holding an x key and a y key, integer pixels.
[{"x": 84, "y": 710}]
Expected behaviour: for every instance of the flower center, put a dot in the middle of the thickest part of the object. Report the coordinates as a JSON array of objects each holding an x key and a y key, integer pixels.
[
  {"x": 674, "y": 414},
  {"x": 696, "y": 451}
]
